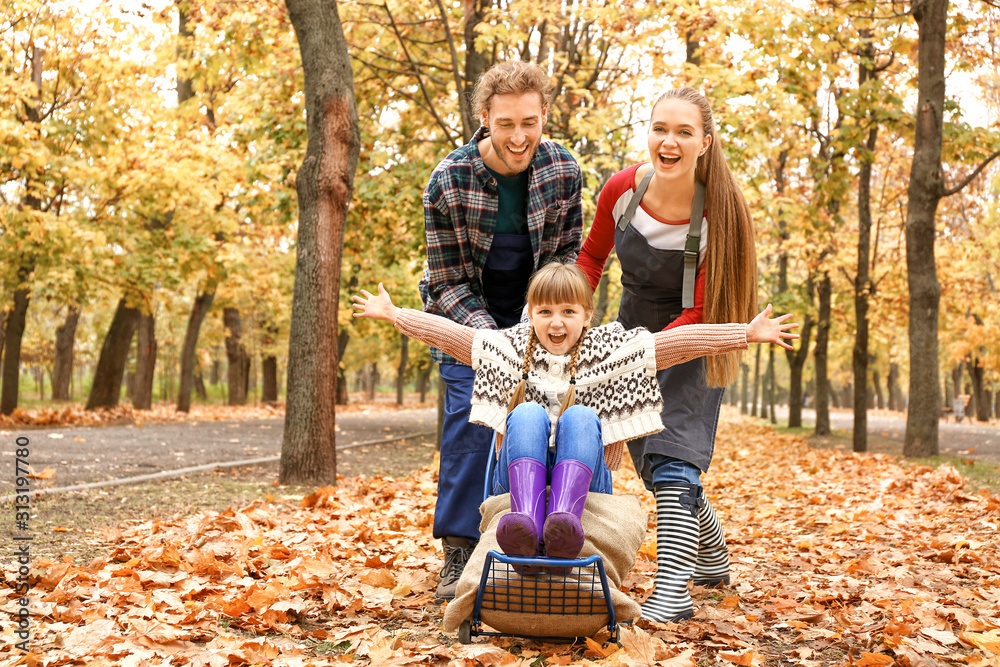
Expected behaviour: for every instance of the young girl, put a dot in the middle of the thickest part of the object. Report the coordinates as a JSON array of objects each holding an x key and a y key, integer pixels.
[{"x": 598, "y": 385}]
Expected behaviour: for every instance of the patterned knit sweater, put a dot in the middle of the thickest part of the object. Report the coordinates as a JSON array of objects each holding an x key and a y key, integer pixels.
[{"x": 615, "y": 375}]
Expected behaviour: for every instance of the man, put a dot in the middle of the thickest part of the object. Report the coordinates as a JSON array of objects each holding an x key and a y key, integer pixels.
[{"x": 495, "y": 210}]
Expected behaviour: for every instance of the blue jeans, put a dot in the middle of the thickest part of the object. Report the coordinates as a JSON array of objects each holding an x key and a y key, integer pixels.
[
  {"x": 578, "y": 437},
  {"x": 464, "y": 451},
  {"x": 668, "y": 470}
]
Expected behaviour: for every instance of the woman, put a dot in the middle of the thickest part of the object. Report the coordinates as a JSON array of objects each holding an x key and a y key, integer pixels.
[{"x": 646, "y": 212}]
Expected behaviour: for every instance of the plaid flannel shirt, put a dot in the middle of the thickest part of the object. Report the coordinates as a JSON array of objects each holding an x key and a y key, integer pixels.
[{"x": 460, "y": 209}]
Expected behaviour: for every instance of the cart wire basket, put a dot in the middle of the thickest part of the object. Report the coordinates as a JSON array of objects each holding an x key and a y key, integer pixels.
[{"x": 538, "y": 585}]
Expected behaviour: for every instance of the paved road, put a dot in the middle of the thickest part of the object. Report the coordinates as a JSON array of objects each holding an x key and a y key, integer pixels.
[
  {"x": 968, "y": 440},
  {"x": 86, "y": 454}
]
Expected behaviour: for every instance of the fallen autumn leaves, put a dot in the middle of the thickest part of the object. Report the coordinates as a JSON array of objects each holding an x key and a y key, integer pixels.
[{"x": 837, "y": 559}]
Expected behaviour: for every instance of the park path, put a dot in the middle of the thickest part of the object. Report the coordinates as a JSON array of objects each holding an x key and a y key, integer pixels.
[
  {"x": 969, "y": 439},
  {"x": 86, "y": 454}
]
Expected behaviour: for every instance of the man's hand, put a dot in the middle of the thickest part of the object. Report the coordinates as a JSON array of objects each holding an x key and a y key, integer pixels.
[
  {"x": 763, "y": 329},
  {"x": 377, "y": 307}
]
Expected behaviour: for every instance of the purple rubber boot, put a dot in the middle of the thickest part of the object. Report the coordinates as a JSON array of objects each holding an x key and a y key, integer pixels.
[
  {"x": 520, "y": 531},
  {"x": 563, "y": 531}
]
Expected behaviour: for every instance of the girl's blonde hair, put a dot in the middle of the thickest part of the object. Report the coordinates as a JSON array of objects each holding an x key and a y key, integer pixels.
[
  {"x": 731, "y": 256},
  {"x": 555, "y": 283}
]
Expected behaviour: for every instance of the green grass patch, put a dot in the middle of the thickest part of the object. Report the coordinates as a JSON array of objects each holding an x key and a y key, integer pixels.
[
  {"x": 981, "y": 474},
  {"x": 326, "y": 648}
]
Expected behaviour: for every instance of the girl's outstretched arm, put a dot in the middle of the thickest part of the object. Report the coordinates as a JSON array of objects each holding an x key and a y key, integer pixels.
[
  {"x": 680, "y": 344},
  {"x": 375, "y": 307},
  {"x": 763, "y": 329},
  {"x": 440, "y": 332}
]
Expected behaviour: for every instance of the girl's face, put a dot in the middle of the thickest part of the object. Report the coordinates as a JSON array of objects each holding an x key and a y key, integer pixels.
[
  {"x": 558, "y": 325},
  {"x": 676, "y": 139}
]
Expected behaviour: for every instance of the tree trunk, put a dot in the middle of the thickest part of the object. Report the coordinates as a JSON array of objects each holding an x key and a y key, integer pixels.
[
  {"x": 198, "y": 311},
  {"x": 956, "y": 381},
  {"x": 65, "y": 340},
  {"x": 879, "y": 395},
  {"x": 756, "y": 382},
  {"x": 475, "y": 63},
  {"x": 404, "y": 357},
  {"x": 199, "y": 383},
  {"x": 145, "y": 366},
  {"x": 925, "y": 191},
  {"x": 216, "y": 375},
  {"x": 237, "y": 354},
  {"x": 424, "y": 380},
  {"x": 39, "y": 373},
  {"x": 17, "y": 317},
  {"x": 862, "y": 281},
  {"x": 269, "y": 389},
  {"x": 820, "y": 356},
  {"x": 12, "y": 351},
  {"x": 796, "y": 362},
  {"x": 324, "y": 184},
  {"x": 744, "y": 381},
  {"x": 3, "y": 334},
  {"x": 372, "y": 380},
  {"x": 343, "y": 338},
  {"x": 269, "y": 366},
  {"x": 763, "y": 393},
  {"x": 771, "y": 384},
  {"x": 107, "y": 386},
  {"x": 982, "y": 406},
  {"x": 895, "y": 400}
]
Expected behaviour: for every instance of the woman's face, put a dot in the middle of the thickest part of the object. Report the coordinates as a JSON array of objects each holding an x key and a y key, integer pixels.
[
  {"x": 558, "y": 325},
  {"x": 676, "y": 139}
]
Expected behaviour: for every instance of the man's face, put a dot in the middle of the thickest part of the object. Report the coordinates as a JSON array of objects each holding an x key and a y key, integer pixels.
[{"x": 515, "y": 122}]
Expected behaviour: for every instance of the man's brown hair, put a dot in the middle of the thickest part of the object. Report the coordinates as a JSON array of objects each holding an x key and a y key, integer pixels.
[{"x": 512, "y": 76}]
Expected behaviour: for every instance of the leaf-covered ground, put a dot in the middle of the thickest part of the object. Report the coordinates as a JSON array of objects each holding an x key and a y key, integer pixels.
[{"x": 838, "y": 559}]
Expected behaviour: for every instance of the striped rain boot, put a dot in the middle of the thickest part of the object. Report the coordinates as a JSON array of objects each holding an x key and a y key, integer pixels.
[
  {"x": 677, "y": 529},
  {"x": 712, "y": 566}
]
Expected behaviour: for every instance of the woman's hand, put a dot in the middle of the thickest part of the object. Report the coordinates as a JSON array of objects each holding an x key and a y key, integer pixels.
[
  {"x": 378, "y": 307},
  {"x": 763, "y": 329}
]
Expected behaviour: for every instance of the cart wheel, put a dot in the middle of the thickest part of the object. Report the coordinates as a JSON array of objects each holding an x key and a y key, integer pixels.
[{"x": 465, "y": 632}]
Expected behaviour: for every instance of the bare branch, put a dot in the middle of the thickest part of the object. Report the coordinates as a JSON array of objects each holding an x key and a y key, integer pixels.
[
  {"x": 420, "y": 81},
  {"x": 389, "y": 70},
  {"x": 886, "y": 65},
  {"x": 853, "y": 280},
  {"x": 456, "y": 70},
  {"x": 968, "y": 179}
]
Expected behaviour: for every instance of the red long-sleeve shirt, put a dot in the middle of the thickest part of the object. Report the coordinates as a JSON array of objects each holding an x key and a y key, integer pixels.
[{"x": 613, "y": 200}]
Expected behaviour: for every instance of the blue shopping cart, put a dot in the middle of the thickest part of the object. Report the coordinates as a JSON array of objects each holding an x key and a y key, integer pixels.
[{"x": 538, "y": 585}]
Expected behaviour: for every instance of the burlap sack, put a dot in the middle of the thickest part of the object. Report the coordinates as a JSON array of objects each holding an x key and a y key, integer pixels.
[{"x": 615, "y": 527}]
